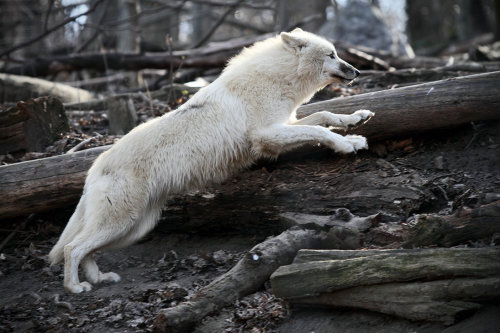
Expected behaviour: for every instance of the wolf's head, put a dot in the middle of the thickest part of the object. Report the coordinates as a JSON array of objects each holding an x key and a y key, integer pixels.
[{"x": 318, "y": 57}]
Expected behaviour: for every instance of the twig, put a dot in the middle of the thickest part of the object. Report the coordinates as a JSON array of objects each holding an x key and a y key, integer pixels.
[
  {"x": 16, "y": 230},
  {"x": 168, "y": 41},
  {"x": 49, "y": 31},
  {"x": 62, "y": 304},
  {"x": 149, "y": 99},
  {"x": 81, "y": 144},
  {"x": 209, "y": 34}
]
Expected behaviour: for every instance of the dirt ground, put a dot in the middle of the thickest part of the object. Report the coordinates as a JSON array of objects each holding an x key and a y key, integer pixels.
[{"x": 203, "y": 235}]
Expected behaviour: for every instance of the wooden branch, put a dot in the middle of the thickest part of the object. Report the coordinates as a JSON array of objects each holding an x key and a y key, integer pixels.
[
  {"x": 465, "y": 225},
  {"x": 246, "y": 277},
  {"x": 315, "y": 277},
  {"x": 419, "y": 108},
  {"x": 14, "y": 88},
  {"x": 442, "y": 301}
]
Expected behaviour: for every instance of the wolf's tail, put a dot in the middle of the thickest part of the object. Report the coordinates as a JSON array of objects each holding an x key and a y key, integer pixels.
[{"x": 74, "y": 226}]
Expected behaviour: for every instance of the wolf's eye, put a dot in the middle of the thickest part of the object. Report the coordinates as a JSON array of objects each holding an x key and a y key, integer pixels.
[{"x": 332, "y": 55}]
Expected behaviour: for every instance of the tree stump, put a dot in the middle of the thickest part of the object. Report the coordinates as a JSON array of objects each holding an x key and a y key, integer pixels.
[{"x": 32, "y": 125}]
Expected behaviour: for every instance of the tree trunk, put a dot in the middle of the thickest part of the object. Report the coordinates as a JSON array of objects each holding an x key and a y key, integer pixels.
[{"x": 32, "y": 125}]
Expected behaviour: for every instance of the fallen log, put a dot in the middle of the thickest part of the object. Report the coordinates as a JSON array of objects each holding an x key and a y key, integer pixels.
[
  {"x": 213, "y": 55},
  {"x": 14, "y": 88},
  {"x": 443, "y": 301},
  {"x": 418, "y": 108},
  {"x": 246, "y": 277},
  {"x": 316, "y": 277},
  {"x": 465, "y": 225},
  {"x": 32, "y": 125},
  {"x": 44, "y": 184}
]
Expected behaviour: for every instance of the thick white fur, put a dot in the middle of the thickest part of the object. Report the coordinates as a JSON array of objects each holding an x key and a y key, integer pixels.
[{"x": 247, "y": 113}]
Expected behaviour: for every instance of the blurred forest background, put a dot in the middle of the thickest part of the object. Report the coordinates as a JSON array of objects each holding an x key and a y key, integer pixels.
[{"x": 31, "y": 29}]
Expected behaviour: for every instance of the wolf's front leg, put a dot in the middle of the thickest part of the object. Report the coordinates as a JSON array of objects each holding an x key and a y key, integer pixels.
[
  {"x": 272, "y": 141},
  {"x": 344, "y": 121}
]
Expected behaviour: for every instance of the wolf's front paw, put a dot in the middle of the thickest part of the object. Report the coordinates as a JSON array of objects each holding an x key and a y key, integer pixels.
[
  {"x": 361, "y": 117},
  {"x": 77, "y": 288},
  {"x": 358, "y": 142},
  {"x": 110, "y": 276}
]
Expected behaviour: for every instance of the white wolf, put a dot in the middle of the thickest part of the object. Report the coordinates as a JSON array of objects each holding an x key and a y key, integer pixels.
[{"x": 246, "y": 114}]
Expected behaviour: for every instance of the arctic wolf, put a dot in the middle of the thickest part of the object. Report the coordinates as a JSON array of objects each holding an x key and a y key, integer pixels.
[{"x": 246, "y": 114}]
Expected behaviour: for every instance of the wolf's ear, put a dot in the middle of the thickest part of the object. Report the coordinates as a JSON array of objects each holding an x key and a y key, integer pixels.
[
  {"x": 297, "y": 30},
  {"x": 292, "y": 42}
]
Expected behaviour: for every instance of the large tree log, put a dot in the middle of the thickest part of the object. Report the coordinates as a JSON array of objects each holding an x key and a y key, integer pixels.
[
  {"x": 32, "y": 125},
  {"x": 44, "y": 184},
  {"x": 399, "y": 111},
  {"x": 14, "y": 88},
  {"x": 315, "y": 277},
  {"x": 439, "y": 301},
  {"x": 423, "y": 107}
]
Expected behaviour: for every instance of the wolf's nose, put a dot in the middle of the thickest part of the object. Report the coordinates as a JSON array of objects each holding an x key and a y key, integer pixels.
[{"x": 356, "y": 72}]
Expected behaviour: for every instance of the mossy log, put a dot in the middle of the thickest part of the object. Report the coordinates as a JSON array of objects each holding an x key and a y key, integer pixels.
[
  {"x": 315, "y": 277},
  {"x": 443, "y": 301}
]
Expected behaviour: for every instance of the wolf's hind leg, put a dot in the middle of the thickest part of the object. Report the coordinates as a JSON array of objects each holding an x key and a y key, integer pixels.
[
  {"x": 76, "y": 250},
  {"x": 92, "y": 272},
  {"x": 344, "y": 121}
]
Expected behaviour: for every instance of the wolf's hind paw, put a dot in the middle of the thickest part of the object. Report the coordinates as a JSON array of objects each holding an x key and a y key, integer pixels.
[
  {"x": 110, "y": 276},
  {"x": 79, "y": 287}
]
